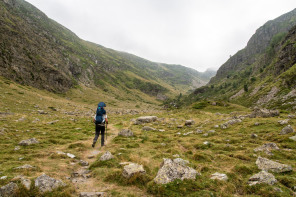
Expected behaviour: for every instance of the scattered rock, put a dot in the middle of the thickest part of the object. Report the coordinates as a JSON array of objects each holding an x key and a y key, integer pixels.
[
  {"x": 206, "y": 143},
  {"x": 9, "y": 190},
  {"x": 206, "y": 134},
  {"x": 47, "y": 184},
  {"x": 230, "y": 122},
  {"x": 24, "y": 180},
  {"x": 211, "y": 131},
  {"x": 52, "y": 122},
  {"x": 223, "y": 126},
  {"x": 293, "y": 138},
  {"x": 189, "y": 122},
  {"x": 291, "y": 116},
  {"x": 41, "y": 112},
  {"x": 269, "y": 165},
  {"x": 253, "y": 135},
  {"x": 163, "y": 144},
  {"x": 219, "y": 176},
  {"x": 106, "y": 156},
  {"x": 264, "y": 113},
  {"x": 286, "y": 130},
  {"x": 267, "y": 148},
  {"x": 146, "y": 128},
  {"x": 71, "y": 155},
  {"x": 256, "y": 123},
  {"x": 83, "y": 163},
  {"x": 216, "y": 126},
  {"x": 176, "y": 155},
  {"x": 188, "y": 133},
  {"x": 126, "y": 133},
  {"x": 3, "y": 177},
  {"x": 91, "y": 194},
  {"x": 277, "y": 189},
  {"x": 198, "y": 131},
  {"x": 262, "y": 177},
  {"x": 28, "y": 142},
  {"x": 161, "y": 130},
  {"x": 17, "y": 148},
  {"x": 283, "y": 122},
  {"x": 181, "y": 161},
  {"x": 180, "y": 126},
  {"x": 132, "y": 170},
  {"x": 26, "y": 167},
  {"x": 171, "y": 170}
]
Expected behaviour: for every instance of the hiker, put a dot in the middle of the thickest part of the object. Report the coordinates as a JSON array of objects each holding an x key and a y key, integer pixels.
[{"x": 100, "y": 120}]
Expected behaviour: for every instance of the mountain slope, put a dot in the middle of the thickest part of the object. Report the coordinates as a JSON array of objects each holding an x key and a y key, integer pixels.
[
  {"x": 39, "y": 52},
  {"x": 266, "y": 78}
]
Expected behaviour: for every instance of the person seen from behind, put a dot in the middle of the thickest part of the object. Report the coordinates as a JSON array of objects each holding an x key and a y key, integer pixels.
[{"x": 100, "y": 121}]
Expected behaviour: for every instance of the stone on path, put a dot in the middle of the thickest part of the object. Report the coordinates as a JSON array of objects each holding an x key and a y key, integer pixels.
[
  {"x": 286, "y": 130},
  {"x": 106, "y": 156},
  {"x": 171, "y": 170},
  {"x": 9, "y": 190},
  {"x": 267, "y": 148},
  {"x": 269, "y": 165},
  {"x": 28, "y": 142},
  {"x": 47, "y": 184},
  {"x": 132, "y": 170},
  {"x": 146, "y": 128},
  {"x": 189, "y": 122},
  {"x": 262, "y": 177},
  {"x": 91, "y": 194},
  {"x": 126, "y": 133},
  {"x": 219, "y": 176}
]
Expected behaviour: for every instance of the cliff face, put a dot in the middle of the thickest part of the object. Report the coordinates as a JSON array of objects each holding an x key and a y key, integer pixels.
[
  {"x": 39, "y": 52},
  {"x": 257, "y": 45}
]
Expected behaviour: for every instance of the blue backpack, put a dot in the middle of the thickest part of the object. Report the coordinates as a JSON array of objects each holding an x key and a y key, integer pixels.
[{"x": 100, "y": 112}]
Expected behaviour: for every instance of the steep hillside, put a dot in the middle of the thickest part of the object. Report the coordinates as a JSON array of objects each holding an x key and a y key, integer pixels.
[
  {"x": 267, "y": 80},
  {"x": 39, "y": 52}
]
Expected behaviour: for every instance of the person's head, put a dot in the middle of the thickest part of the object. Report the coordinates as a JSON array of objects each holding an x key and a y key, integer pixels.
[{"x": 102, "y": 104}]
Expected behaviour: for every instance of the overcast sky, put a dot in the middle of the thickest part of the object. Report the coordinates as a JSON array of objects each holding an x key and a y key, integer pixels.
[{"x": 199, "y": 34}]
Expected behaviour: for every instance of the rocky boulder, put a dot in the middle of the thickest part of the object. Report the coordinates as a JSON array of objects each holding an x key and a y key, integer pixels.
[
  {"x": 146, "y": 119},
  {"x": 219, "y": 176},
  {"x": 171, "y": 170},
  {"x": 267, "y": 148},
  {"x": 262, "y": 177},
  {"x": 28, "y": 142},
  {"x": 264, "y": 113},
  {"x": 189, "y": 122},
  {"x": 146, "y": 128},
  {"x": 47, "y": 184},
  {"x": 132, "y": 170},
  {"x": 283, "y": 122},
  {"x": 106, "y": 156},
  {"x": 269, "y": 165},
  {"x": 126, "y": 133},
  {"x": 286, "y": 130},
  {"x": 9, "y": 190}
]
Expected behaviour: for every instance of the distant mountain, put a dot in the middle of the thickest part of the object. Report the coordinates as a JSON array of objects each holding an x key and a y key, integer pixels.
[
  {"x": 263, "y": 73},
  {"x": 39, "y": 52}
]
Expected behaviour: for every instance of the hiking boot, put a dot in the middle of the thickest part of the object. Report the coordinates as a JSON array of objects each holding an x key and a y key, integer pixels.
[{"x": 93, "y": 145}]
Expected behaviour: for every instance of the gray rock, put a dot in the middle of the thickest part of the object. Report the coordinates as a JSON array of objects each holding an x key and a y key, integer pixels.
[
  {"x": 176, "y": 155},
  {"x": 253, "y": 135},
  {"x": 180, "y": 126},
  {"x": 211, "y": 131},
  {"x": 264, "y": 113},
  {"x": 146, "y": 119},
  {"x": 293, "y": 138},
  {"x": 283, "y": 122},
  {"x": 146, "y": 128},
  {"x": 25, "y": 167},
  {"x": 91, "y": 194},
  {"x": 171, "y": 170},
  {"x": 219, "y": 176},
  {"x": 132, "y": 170},
  {"x": 269, "y": 165},
  {"x": 256, "y": 123},
  {"x": 47, "y": 184},
  {"x": 106, "y": 156},
  {"x": 262, "y": 177},
  {"x": 83, "y": 163},
  {"x": 198, "y": 131},
  {"x": 161, "y": 130},
  {"x": 286, "y": 130},
  {"x": 292, "y": 116},
  {"x": 9, "y": 190},
  {"x": 267, "y": 148},
  {"x": 126, "y": 133},
  {"x": 28, "y": 142},
  {"x": 188, "y": 133},
  {"x": 223, "y": 126},
  {"x": 24, "y": 180},
  {"x": 163, "y": 144},
  {"x": 189, "y": 122},
  {"x": 17, "y": 148},
  {"x": 3, "y": 177},
  {"x": 70, "y": 155},
  {"x": 41, "y": 112},
  {"x": 181, "y": 161}
]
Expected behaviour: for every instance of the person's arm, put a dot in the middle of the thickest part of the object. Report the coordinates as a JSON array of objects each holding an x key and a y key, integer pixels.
[
  {"x": 106, "y": 118},
  {"x": 94, "y": 120}
]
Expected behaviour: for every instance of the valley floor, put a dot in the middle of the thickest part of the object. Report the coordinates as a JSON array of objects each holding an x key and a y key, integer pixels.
[{"x": 64, "y": 126}]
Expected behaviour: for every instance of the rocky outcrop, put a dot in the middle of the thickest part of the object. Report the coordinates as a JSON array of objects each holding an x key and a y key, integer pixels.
[
  {"x": 286, "y": 130},
  {"x": 267, "y": 148},
  {"x": 269, "y": 165},
  {"x": 29, "y": 142},
  {"x": 262, "y": 177},
  {"x": 270, "y": 96},
  {"x": 146, "y": 119},
  {"x": 47, "y": 184},
  {"x": 133, "y": 169},
  {"x": 264, "y": 113},
  {"x": 171, "y": 170},
  {"x": 106, "y": 156}
]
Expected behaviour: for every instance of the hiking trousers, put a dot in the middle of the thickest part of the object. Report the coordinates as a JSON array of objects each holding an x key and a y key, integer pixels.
[{"x": 100, "y": 129}]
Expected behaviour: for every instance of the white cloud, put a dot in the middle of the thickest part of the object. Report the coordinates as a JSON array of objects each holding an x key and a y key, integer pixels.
[{"x": 195, "y": 33}]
